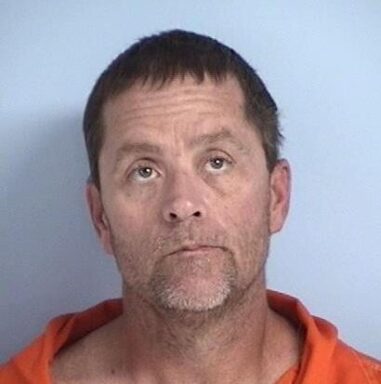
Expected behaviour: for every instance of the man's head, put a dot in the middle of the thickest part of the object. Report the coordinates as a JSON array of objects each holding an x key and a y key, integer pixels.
[
  {"x": 188, "y": 194},
  {"x": 158, "y": 60}
]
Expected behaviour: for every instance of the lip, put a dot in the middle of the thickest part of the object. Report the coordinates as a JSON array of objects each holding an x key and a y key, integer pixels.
[{"x": 193, "y": 248}]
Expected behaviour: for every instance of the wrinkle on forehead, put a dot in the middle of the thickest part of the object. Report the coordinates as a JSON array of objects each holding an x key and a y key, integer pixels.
[
  {"x": 164, "y": 123},
  {"x": 171, "y": 117},
  {"x": 176, "y": 98}
]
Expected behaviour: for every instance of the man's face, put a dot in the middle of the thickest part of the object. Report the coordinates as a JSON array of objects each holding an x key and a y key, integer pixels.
[{"x": 187, "y": 204}]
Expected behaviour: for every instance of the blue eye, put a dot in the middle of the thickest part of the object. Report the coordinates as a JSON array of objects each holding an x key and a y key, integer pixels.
[
  {"x": 218, "y": 163},
  {"x": 143, "y": 173}
]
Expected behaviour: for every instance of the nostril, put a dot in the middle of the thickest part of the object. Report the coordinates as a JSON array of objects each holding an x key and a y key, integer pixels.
[{"x": 174, "y": 216}]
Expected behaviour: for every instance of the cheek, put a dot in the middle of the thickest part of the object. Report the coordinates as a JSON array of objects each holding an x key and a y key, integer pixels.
[
  {"x": 127, "y": 209},
  {"x": 247, "y": 205},
  {"x": 131, "y": 234},
  {"x": 247, "y": 226},
  {"x": 133, "y": 249}
]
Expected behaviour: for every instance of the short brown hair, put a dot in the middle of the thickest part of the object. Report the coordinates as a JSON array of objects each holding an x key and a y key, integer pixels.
[{"x": 160, "y": 58}]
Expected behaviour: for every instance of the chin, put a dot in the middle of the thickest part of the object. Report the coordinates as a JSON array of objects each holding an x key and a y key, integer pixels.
[
  {"x": 195, "y": 284},
  {"x": 200, "y": 296}
]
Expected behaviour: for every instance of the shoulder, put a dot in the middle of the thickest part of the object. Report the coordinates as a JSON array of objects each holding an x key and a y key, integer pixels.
[
  {"x": 370, "y": 366},
  {"x": 349, "y": 360},
  {"x": 33, "y": 363},
  {"x": 325, "y": 355},
  {"x": 67, "y": 366},
  {"x": 88, "y": 359}
]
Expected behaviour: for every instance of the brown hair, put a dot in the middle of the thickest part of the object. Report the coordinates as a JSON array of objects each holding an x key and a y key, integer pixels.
[{"x": 158, "y": 59}]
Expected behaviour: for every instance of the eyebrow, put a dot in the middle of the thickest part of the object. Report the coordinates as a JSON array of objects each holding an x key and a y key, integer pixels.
[
  {"x": 224, "y": 134},
  {"x": 129, "y": 149},
  {"x": 212, "y": 138}
]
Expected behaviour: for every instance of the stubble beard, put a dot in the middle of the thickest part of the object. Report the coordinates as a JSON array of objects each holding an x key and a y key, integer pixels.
[
  {"x": 212, "y": 300},
  {"x": 214, "y": 297},
  {"x": 202, "y": 290}
]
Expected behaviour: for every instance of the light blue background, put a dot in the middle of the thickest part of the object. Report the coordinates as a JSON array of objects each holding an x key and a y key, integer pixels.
[{"x": 322, "y": 62}]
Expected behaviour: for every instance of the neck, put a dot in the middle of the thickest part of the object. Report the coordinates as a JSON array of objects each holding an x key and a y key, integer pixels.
[{"x": 229, "y": 344}]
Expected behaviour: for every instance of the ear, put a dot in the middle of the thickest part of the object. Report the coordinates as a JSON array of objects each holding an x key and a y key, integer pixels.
[
  {"x": 98, "y": 216},
  {"x": 280, "y": 189}
]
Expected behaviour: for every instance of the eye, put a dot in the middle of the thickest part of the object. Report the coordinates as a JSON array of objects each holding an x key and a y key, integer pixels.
[
  {"x": 143, "y": 173},
  {"x": 218, "y": 164}
]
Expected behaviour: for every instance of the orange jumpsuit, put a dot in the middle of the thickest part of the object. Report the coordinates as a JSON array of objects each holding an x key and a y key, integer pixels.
[{"x": 325, "y": 359}]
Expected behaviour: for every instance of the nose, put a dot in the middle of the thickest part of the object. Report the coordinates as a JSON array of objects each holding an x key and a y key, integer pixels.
[{"x": 183, "y": 200}]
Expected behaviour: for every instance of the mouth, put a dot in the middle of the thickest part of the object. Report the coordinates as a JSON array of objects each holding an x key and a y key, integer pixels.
[{"x": 194, "y": 248}]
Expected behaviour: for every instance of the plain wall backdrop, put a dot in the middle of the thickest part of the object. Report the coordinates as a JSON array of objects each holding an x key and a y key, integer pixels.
[{"x": 321, "y": 60}]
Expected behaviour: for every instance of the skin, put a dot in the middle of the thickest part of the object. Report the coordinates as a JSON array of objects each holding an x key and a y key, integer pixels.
[{"x": 187, "y": 207}]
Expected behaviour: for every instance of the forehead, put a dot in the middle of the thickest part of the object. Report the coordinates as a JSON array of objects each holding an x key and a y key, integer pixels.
[
  {"x": 182, "y": 86},
  {"x": 182, "y": 108},
  {"x": 173, "y": 96}
]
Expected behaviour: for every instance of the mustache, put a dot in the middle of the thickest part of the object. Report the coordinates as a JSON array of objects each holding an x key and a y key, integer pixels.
[{"x": 164, "y": 245}]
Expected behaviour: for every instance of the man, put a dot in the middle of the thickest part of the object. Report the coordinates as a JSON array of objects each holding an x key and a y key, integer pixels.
[{"x": 185, "y": 192}]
